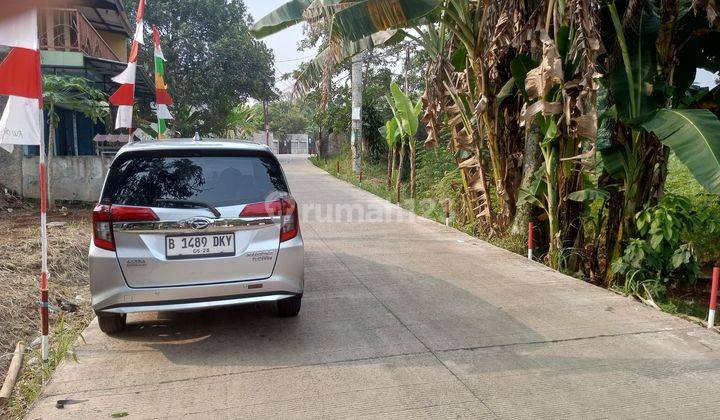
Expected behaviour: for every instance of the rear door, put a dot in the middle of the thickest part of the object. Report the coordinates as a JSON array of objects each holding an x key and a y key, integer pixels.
[{"x": 199, "y": 235}]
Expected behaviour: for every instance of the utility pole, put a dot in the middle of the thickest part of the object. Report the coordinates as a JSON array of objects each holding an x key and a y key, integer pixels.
[
  {"x": 267, "y": 126},
  {"x": 356, "y": 134},
  {"x": 407, "y": 69}
]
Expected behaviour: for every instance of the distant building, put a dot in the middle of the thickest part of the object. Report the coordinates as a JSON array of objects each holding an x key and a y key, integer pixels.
[
  {"x": 90, "y": 39},
  {"x": 293, "y": 144},
  {"x": 259, "y": 137}
]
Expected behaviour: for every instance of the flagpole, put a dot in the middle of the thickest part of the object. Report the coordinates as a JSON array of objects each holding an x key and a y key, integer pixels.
[
  {"x": 25, "y": 103},
  {"x": 162, "y": 98},
  {"x": 44, "y": 306},
  {"x": 124, "y": 96}
]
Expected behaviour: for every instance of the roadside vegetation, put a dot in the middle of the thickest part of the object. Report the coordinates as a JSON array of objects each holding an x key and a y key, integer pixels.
[
  {"x": 580, "y": 116},
  {"x": 438, "y": 181}
]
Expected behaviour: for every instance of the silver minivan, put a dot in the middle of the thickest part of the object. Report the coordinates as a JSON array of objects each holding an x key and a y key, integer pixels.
[{"x": 185, "y": 225}]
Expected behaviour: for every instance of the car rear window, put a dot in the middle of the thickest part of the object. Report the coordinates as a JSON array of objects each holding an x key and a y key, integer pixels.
[{"x": 218, "y": 179}]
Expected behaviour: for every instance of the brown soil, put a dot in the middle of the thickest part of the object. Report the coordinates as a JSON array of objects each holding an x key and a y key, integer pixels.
[{"x": 20, "y": 271}]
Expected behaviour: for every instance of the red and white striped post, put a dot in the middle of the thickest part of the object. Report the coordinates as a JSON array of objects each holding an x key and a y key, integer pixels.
[
  {"x": 531, "y": 242},
  {"x": 44, "y": 306},
  {"x": 446, "y": 206},
  {"x": 713, "y": 296}
]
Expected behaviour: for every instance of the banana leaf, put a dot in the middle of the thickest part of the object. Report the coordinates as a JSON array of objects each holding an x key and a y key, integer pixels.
[
  {"x": 536, "y": 192},
  {"x": 506, "y": 90},
  {"x": 694, "y": 136},
  {"x": 367, "y": 17},
  {"x": 283, "y": 17},
  {"x": 407, "y": 113},
  {"x": 588, "y": 194},
  {"x": 390, "y": 132}
]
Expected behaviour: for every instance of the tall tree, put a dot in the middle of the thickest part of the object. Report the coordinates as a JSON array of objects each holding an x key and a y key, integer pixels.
[
  {"x": 286, "y": 117},
  {"x": 213, "y": 62}
]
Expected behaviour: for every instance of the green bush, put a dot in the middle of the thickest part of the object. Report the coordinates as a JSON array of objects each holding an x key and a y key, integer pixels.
[{"x": 661, "y": 255}]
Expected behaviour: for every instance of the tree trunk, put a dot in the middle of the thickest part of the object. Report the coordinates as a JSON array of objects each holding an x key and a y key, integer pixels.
[
  {"x": 550, "y": 154},
  {"x": 391, "y": 153},
  {"x": 412, "y": 170},
  {"x": 356, "y": 132},
  {"x": 395, "y": 153},
  {"x": 401, "y": 165},
  {"x": 531, "y": 161}
]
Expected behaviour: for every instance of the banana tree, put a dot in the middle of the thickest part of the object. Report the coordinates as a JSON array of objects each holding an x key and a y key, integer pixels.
[
  {"x": 560, "y": 96},
  {"x": 350, "y": 20},
  {"x": 243, "y": 120},
  {"x": 659, "y": 46},
  {"x": 317, "y": 71},
  {"x": 391, "y": 133},
  {"x": 406, "y": 116},
  {"x": 187, "y": 120},
  {"x": 350, "y": 27},
  {"x": 473, "y": 26}
]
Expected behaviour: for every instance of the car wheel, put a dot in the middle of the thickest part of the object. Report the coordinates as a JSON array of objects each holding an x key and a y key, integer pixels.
[
  {"x": 289, "y": 307},
  {"x": 111, "y": 323}
]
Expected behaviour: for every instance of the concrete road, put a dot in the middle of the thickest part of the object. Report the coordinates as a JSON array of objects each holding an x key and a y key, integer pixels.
[{"x": 401, "y": 318}]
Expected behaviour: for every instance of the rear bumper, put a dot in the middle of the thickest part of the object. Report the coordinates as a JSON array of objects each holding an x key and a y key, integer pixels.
[
  {"x": 110, "y": 292},
  {"x": 194, "y": 304}
]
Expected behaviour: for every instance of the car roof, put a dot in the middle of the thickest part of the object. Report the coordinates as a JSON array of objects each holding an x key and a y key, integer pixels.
[{"x": 189, "y": 144}]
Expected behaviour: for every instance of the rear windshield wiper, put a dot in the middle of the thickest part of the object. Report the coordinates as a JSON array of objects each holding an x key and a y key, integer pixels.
[{"x": 190, "y": 203}]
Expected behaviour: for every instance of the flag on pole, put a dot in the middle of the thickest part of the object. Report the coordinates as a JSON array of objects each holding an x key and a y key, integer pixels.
[
  {"x": 21, "y": 121},
  {"x": 162, "y": 98},
  {"x": 124, "y": 97},
  {"x": 20, "y": 79}
]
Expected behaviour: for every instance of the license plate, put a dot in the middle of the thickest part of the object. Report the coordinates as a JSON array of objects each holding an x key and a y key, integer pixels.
[{"x": 199, "y": 246}]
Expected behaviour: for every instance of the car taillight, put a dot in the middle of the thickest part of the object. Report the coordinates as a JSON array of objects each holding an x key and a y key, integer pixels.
[
  {"x": 286, "y": 208},
  {"x": 132, "y": 214},
  {"x": 104, "y": 215},
  {"x": 102, "y": 227},
  {"x": 263, "y": 209},
  {"x": 289, "y": 224}
]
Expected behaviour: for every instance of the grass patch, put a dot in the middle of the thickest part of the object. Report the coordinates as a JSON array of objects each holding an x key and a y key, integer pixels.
[
  {"x": 35, "y": 373},
  {"x": 685, "y": 306},
  {"x": 680, "y": 181},
  {"x": 19, "y": 274}
]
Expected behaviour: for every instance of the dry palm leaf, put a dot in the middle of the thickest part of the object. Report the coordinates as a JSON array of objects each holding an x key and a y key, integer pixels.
[{"x": 543, "y": 78}]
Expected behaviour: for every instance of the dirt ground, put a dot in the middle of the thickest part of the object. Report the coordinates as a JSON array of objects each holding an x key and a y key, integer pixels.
[{"x": 20, "y": 271}]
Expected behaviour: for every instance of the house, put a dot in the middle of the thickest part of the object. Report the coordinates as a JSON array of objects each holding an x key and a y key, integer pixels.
[{"x": 88, "y": 38}]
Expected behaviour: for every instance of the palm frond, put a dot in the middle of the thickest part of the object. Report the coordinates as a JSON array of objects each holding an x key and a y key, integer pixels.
[{"x": 329, "y": 58}]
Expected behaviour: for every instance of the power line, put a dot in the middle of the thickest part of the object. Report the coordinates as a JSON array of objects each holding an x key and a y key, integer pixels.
[{"x": 294, "y": 59}]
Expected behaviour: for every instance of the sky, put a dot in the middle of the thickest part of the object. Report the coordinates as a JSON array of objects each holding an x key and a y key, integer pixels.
[
  {"x": 284, "y": 44},
  {"x": 287, "y": 56}
]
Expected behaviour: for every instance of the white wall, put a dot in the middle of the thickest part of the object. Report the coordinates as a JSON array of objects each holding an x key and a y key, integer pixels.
[{"x": 77, "y": 178}]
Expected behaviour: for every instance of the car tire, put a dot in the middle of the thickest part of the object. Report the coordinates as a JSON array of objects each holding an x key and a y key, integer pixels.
[
  {"x": 112, "y": 323},
  {"x": 289, "y": 307}
]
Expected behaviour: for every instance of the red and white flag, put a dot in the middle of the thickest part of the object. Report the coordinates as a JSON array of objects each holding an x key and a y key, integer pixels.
[
  {"x": 21, "y": 121},
  {"x": 124, "y": 97},
  {"x": 20, "y": 78}
]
